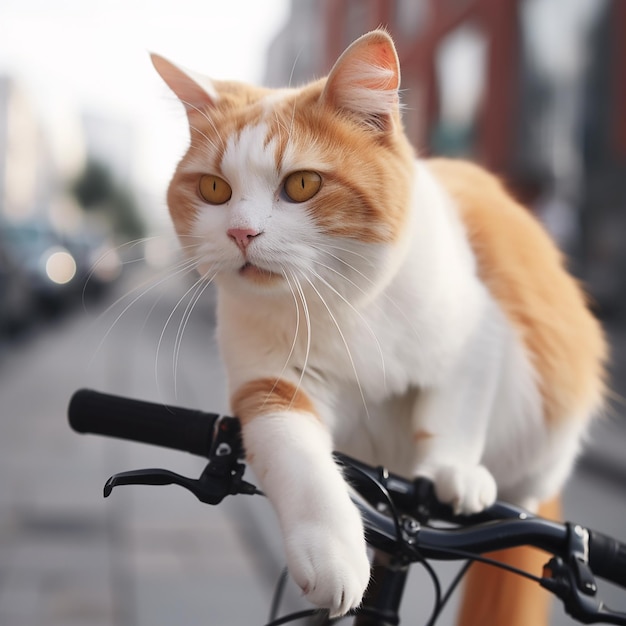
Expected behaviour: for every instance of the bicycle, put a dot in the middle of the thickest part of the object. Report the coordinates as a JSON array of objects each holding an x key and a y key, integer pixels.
[{"x": 404, "y": 522}]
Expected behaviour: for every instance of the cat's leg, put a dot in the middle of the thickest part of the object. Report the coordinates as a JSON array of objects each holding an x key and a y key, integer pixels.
[
  {"x": 290, "y": 451},
  {"x": 451, "y": 421}
]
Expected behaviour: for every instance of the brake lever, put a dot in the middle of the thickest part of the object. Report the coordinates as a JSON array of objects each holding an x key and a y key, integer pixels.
[
  {"x": 562, "y": 580},
  {"x": 574, "y": 583},
  {"x": 210, "y": 488},
  {"x": 221, "y": 477}
]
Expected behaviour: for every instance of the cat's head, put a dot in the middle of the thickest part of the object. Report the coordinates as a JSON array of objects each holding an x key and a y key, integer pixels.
[{"x": 307, "y": 186}]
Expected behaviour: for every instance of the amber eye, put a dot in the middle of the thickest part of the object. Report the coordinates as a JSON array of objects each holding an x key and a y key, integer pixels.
[
  {"x": 214, "y": 190},
  {"x": 303, "y": 185}
]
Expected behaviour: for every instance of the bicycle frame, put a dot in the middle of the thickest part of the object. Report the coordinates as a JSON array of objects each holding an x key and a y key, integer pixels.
[{"x": 384, "y": 595}]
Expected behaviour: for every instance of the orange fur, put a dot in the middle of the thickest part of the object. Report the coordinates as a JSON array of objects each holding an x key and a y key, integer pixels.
[
  {"x": 524, "y": 272},
  {"x": 180, "y": 198},
  {"x": 493, "y": 597},
  {"x": 422, "y": 435},
  {"x": 375, "y": 188},
  {"x": 267, "y": 395}
]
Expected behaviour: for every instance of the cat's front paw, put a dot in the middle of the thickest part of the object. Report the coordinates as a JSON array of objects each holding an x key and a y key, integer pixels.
[
  {"x": 330, "y": 565},
  {"x": 467, "y": 488}
]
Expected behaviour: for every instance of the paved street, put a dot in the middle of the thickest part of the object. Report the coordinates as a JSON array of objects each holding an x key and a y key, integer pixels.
[
  {"x": 145, "y": 556},
  {"x": 149, "y": 556}
]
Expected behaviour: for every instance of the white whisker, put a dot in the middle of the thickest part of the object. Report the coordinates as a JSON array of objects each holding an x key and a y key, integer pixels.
[
  {"x": 343, "y": 276},
  {"x": 206, "y": 137},
  {"x": 307, "y": 318},
  {"x": 149, "y": 285},
  {"x": 293, "y": 67},
  {"x": 167, "y": 323},
  {"x": 345, "y": 343},
  {"x": 94, "y": 266},
  {"x": 208, "y": 119},
  {"x": 293, "y": 118},
  {"x": 184, "y": 265},
  {"x": 341, "y": 249},
  {"x": 353, "y": 308},
  {"x": 293, "y": 343},
  {"x": 202, "y": 285},
  {"x": 384, "y": 294}
]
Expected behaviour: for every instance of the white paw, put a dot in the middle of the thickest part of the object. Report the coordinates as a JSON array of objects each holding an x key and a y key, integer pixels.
[
  {"x": 329, "y": 564},
  {"x": 468, "y": 488}
]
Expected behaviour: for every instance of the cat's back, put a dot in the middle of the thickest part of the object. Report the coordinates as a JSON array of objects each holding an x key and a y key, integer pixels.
[{"x": 524, "y": 271}]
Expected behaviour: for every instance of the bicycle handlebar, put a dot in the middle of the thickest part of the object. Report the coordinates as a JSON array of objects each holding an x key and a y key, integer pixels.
[
  {"x": 193, "y": 431},
  {"x": 607, "y": 557},
  {"x": 99, "y": 413}
]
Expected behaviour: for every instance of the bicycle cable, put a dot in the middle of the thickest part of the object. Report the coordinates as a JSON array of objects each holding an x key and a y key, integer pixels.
[
  {"x": 402, "y": 540},
  {"x": 278, "y": 594},
  {"x": 385, "y": 495},
  {"x": 449, "y": 591},
  {"x": 436, "y": 586},
  {"x": 488, "y": 561},
  {"x": 292, "y": 617}
]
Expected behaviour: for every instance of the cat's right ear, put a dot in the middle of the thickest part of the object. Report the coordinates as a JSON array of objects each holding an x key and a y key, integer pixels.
[
  {"x": 195, "y": 91},
  {"x": 364, "y": 81}
]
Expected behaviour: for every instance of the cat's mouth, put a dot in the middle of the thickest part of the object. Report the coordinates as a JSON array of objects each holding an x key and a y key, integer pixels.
[{"x": 258, "y": 274}]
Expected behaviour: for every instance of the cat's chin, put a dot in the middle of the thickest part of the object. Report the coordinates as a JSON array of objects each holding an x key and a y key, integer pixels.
[{"x": 258, "y": 275}]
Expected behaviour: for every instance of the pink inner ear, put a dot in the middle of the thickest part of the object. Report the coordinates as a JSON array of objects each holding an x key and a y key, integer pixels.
[
  {"x": 384, "y": 57},
  {"x": 365, "y": 78}
]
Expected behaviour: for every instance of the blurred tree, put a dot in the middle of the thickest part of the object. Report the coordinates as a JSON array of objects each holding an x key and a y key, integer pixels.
[
  {"x": 94, "y": 186},
  {"x": 96, "y": 190}
]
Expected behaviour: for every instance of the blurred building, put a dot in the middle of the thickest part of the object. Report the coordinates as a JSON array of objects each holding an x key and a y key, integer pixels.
[
  {"x": 27, "y": 175},
  {"x": 295, "y": 55},
  {"x": 533, "y": 89},
  {"x": 43, "y": 159}
]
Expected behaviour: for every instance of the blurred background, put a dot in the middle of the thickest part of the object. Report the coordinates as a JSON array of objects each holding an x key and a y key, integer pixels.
[{"x": 91, "y": 293}]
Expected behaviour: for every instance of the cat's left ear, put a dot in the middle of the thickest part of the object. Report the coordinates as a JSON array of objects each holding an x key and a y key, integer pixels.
[
  {"x": 195, "y": 91},
  {"x": 365, "y": 81}
]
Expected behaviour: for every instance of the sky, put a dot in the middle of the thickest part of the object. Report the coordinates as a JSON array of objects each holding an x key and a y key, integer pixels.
[{"x": 92, "y": 55}]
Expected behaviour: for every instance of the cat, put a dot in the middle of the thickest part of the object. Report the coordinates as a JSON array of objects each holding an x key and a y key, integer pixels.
[{"x": 406, "y": 311}]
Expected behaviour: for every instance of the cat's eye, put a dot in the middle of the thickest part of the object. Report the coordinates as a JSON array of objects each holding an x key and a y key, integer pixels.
[
  {"x": 214, "y": 190},
  {"x": 302, "y": 185}
]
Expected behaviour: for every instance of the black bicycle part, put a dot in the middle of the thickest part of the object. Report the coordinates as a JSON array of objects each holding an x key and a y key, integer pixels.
[
  {"x": 213, "y": 436},
  {"x": 403, "y": 533},
  {"x": 222, "y": 476},
  {"x": 607, "y": 557},
  {"x": 162, "y": 425},
  {"x": 278, "y": 594},
  {"x": 571, "y": 578}
]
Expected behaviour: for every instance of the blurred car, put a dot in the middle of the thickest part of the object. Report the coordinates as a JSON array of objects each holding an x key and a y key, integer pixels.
[
  {"x": 98, "y": 264},
  {"x": 59, "y": 270},
  {"x": 17, "y": 300},
  {"x": 49, "y": 266}
]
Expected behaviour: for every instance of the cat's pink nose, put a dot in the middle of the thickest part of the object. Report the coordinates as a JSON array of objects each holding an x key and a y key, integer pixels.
[{"x": 242, "y": 236}]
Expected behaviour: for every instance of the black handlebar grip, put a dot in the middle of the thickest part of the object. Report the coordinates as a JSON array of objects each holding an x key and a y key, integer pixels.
[
  {"x": 607, "y": 557},
  {"x": 146, "y": 422}
]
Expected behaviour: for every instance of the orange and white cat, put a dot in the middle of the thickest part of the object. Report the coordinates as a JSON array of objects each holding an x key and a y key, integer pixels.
[{"x": 405, "y": 311}]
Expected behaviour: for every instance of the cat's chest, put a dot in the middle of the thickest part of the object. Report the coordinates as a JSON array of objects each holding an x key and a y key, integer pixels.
[{"x": 365, "y": 348}]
